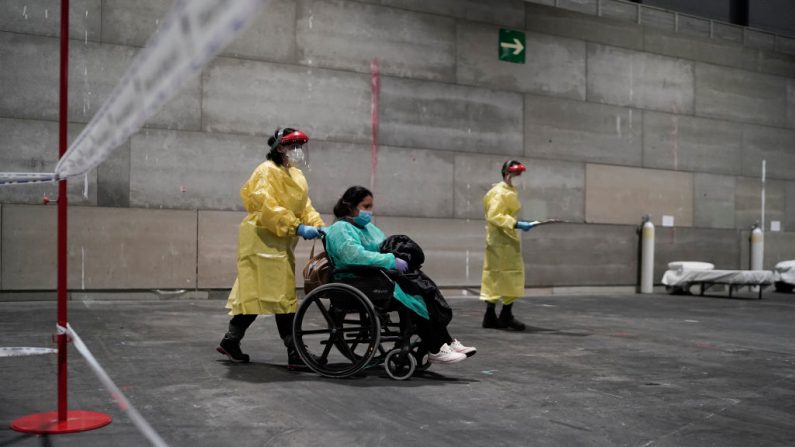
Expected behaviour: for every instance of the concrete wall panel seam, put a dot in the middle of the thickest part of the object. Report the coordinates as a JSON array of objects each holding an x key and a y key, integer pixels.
[
  {"x": 72, "y": 40},
  {"x": 695, "y": 88},
  {"x": 37, "y": 120},
  {"x": 695, "y": 113},
  {"x": 453, "y": 192},
  {"x": 448, "y": 83},
  {"x": 646, "y": 32},
  {"x": 629, "y": 77},
  {"x": 2, "y": 266},
  {"x": 775, "y": 75},
  {"x": 408, "y": 43},
  {"x": 101, "y": 20},
  {"x": 398, "y": 8},
  {"x": 642, "y": 139},
  {"x": 586, "y": 89},
  {"x": 196, "y": 270},
  {"x": 582, "y": 131},
  {"x": 756, "y": 66},
  {"x": 743, "y": 96},
  {"x": 202, "y": 94}
]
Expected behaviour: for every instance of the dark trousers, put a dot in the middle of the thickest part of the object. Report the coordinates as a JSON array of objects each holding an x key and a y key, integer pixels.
[
  {"x": 432, "y": 333},
  {"x": 240, "y": 323}
]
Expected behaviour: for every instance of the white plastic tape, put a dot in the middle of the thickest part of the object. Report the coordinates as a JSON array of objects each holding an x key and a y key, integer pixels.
[
  {"x": 188, "y": 38},
  {"x": 121, "y": 400},
  {"x": 24, "y": 351},
  {"x": 19, "y": 178}
]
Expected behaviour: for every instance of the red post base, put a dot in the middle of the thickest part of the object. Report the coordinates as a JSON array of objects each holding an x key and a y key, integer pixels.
[{"x": 48, "y": 423}]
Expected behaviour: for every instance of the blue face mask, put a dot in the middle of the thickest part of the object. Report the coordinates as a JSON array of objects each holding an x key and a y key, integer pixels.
[{"x": 364, "y": 217}]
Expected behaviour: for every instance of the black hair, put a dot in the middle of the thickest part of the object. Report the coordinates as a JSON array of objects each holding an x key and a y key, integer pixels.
[
  {"x": 274, "y": 141},
  {"x": 352, "y": 197}
]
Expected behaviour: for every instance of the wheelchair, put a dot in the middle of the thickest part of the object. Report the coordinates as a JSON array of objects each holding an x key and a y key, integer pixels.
[{"x": 354, "y": 323}]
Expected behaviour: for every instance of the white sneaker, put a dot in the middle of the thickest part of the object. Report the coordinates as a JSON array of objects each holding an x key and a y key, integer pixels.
[
  {"x": 469, "y": 351},
  {"x": 446, "y": 355}
]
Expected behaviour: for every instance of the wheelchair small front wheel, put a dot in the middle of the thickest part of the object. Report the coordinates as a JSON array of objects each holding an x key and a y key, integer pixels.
[
  {"x": 419, "y": 353},
  {"x": 399, "y": 365}
]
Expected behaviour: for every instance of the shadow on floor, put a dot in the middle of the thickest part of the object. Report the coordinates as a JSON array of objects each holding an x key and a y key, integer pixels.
[{"x": 369, "y": 377}]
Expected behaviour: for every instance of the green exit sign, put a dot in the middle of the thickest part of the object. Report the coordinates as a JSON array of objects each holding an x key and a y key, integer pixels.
[{"x": 511, "y": 46}]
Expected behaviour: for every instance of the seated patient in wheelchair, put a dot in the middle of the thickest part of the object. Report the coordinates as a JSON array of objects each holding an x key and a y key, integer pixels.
[{"x": 353, "y": 240}]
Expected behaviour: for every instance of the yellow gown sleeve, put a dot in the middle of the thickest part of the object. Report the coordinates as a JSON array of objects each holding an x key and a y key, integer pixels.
[
  {"x": 497, "y": 213},
  {"x": 310, "y": 216},
  {"x": 259, "y": 199}
]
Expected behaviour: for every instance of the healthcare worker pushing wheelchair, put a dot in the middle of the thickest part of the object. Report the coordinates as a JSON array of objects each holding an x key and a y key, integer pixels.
[
  {"x": 503, "y": 266},
  {"x": 276, "y": 197}
]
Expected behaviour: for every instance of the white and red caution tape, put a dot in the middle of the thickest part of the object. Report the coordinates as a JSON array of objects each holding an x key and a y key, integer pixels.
[
  {"x": 191, "y": 35},
  {"x": 22, "y": 351},
  {"x": 121, "y": 400}
]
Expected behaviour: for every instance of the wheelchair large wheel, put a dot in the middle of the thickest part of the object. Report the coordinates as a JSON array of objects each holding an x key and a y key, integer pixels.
[{"x": 336, "y": 330}]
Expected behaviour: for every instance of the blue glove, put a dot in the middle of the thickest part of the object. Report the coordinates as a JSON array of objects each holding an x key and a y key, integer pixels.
[
  {"x": 401, "y": 265},
  {"x": 307, "y": 232},
  {"x": 525, "y": 225}
]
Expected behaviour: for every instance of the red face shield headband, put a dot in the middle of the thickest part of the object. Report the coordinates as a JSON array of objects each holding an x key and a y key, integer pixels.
[
  {"x": 516, "y": 169},
  {"x": 294, "y": 138}
]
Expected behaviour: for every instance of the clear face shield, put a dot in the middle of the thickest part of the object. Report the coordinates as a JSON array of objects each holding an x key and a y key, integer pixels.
[
  {"x": 518, "y": 181},
  {"x": 297, "y": 154}
]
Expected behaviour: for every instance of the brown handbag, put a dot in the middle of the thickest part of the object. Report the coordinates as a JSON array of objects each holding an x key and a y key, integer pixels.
[{"x": 317, "y": 270}]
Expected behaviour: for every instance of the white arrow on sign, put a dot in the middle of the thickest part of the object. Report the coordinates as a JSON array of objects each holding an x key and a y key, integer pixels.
[{"x": 516, "y": 45}]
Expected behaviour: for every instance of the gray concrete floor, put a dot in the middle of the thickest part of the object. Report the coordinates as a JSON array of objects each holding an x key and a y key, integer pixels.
[{"x": 592, "y": 370}]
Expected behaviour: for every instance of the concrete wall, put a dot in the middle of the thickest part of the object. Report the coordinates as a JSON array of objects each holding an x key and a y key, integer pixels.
[
  {"x": 617, "y": 194},
  {"x": 614, "y": 119},
  {"x": 109, "y": 248}
]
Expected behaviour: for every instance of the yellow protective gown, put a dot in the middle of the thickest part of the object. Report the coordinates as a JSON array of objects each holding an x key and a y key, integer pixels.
[
  {"x": 277, "y": 201},
  {"x": 503, "y": 267}
]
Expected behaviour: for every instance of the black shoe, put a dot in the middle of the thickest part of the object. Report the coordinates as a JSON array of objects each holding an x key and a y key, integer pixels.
[
  {"x": 295, "y": 362},
  {"x": 231, "y": 349},
  {"x": 490, "y": 320},
  {"x": 508, "y": 321}
]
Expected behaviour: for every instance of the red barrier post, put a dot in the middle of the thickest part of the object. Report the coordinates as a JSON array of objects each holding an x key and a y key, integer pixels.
[{"x": 63, "y": 420}]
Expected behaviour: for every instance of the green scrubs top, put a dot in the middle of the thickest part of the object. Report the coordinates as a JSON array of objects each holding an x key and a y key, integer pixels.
[{"x": 348, "y": 244}]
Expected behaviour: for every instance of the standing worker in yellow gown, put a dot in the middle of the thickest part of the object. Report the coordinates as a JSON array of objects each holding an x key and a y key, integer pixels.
[
  {"x": 276, "y": 197},
  {"x": 503, "y": 266}
]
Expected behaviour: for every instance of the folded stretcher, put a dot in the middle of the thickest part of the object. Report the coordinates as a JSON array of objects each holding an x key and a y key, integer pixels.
[{"x": 680, "y": 276}]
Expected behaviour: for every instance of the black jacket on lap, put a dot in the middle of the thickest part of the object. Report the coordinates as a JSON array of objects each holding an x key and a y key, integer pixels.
[
  {"x": 404, "y": 248},
  {"x": 414, "y": 281}
]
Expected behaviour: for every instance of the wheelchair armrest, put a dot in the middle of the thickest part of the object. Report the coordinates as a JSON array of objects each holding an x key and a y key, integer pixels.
[{"x": 364, "y": 270}]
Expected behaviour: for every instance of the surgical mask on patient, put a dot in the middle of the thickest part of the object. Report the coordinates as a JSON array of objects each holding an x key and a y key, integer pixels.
[
  {"x": 296, "y": 156},
  {"x": 364, "y": 217}
]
